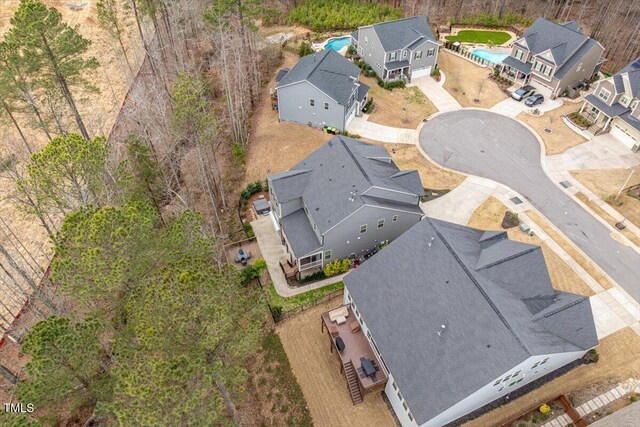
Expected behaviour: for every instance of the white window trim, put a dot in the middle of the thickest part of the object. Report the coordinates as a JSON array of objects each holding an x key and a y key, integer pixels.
[
  {"x": 602, "y": 92},
  {"x": 393, "y": 56},
  {"x": 418, "y": 55},
  {"x": 395, "y": 218},
  {"x": 326, "y": 106},
  {"x": 330, "y": 254},
  {"x": 430, "y": 52},
  {"x": 312, "y": 102},
  {"x": 365, "y": 228},
  {"x": 379, "y": 223},
  {"x": 404, "y": 54}
]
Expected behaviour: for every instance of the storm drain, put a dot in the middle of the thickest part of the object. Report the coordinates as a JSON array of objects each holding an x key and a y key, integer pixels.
[
  {"x": 516, "y": 200},
  {"x": 565, "y": 184}
]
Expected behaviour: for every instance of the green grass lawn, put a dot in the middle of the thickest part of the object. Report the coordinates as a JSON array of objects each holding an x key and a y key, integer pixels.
[
  {"x": 291, "y": 303},
  {"x": 479, "y": 36}
]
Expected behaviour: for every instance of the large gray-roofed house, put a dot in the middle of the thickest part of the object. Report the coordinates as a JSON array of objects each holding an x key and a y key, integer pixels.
[
  {"x": 614, "y": 106},
  {"x": 322, "y": 89},
  {"x": 344, "y": 199},
  {"x": 461, "y": 317},
  {"x": 402, "y": 49},
  {"x": 553, "y": 57}
]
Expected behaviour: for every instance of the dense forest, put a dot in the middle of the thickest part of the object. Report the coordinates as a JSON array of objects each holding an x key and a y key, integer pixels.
[{"x": 614, "y": 23}]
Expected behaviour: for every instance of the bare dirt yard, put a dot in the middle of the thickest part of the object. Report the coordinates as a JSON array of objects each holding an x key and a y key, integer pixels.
[
  {"x": 607, "y": 182},
  {"x": 466, "y": 81},
  {"x": 275, "y": 146},
  {"x": 619, "y": 360},
  {"x": 99, "y": 111},
  {"x": 318, "y": 372},
  {"x": 432, "y": 176},
  {"x": 608, "y": 218},
  {"x": 561, "y": 137},
  {"x": 489, "y": 217},
  {"x": 401, "y": 107}
]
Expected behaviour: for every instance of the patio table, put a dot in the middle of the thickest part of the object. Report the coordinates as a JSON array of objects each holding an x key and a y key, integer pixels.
[{"x": 368, "y": 367}]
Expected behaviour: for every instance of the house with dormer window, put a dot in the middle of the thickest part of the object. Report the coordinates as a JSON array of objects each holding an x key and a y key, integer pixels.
[
  {"x": 614, "y": 106},
  {"x": 403, "y": 49},
  {"x": 553, "y": 57},
  {"x": 344, "y": 200}
]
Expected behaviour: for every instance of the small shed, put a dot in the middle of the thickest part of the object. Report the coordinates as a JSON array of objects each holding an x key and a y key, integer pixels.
[{"x": 261, "y": 206}]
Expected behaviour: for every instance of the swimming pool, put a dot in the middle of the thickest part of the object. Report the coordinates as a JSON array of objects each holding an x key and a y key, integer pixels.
[
  {"x": 493, "y": 57},
  {"x": 338, "y": 43}
]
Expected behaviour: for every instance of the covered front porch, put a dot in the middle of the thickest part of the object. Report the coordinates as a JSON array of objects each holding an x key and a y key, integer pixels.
[
  {"x": 518, "y": 72},
  {"x": 599, "y": 113},
  {"x": 397, "y": 70},
  {"x": 359, "y": 363}
]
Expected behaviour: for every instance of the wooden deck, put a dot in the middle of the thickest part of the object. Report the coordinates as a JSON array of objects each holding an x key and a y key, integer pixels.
[{"x": 356, "y": 346}]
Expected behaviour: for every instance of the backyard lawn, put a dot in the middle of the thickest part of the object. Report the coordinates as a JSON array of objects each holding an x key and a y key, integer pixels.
[
  {"x": 401, "y": 107},
  {"x": 291, "y": 303},
  {"x": 318, "y": 372},
  {"x": 480, "y": 36},
  {"x": 466, "y": 81}
]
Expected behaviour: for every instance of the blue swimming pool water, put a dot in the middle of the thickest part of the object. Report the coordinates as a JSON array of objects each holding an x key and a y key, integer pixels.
[
  {"x": 338, "y": 43},
  {"x": 493, "y": 57}
]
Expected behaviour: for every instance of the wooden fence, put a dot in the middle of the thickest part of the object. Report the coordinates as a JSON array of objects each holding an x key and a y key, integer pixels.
[{"x": 286, "y": 314}]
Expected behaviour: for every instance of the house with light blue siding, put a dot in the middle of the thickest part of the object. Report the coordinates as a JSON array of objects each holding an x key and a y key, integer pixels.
[
  {"x": 322, "y": 89},
  {"x": 344, "y": 200},
  {"x": 403, "y": 49}
]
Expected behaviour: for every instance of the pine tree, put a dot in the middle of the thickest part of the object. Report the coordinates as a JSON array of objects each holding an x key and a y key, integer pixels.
[
  {"x": 109, "y": 18},
  {"x": 55, "y": 50}
]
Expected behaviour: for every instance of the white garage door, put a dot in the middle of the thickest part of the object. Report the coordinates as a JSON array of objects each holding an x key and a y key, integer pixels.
[
  {"x": 623, "y": 137},
  {"x": 421, "y": 73},
  {"x": 541, "y": 88}
]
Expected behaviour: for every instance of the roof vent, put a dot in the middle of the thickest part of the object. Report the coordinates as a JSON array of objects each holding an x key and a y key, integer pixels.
[{"x": 442, "y": 330}]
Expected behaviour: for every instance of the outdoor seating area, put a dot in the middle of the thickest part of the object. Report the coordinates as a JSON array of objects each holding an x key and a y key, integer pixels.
[
  {"x": 243, "y": 253},
  {"x": 361, "y": 366}
]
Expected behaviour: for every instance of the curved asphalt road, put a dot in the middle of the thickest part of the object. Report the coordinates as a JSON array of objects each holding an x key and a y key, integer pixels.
[{"x": 496, "y": 147}]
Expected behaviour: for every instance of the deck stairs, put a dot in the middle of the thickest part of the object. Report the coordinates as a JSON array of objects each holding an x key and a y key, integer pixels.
[{"x": 352, "y": 382}]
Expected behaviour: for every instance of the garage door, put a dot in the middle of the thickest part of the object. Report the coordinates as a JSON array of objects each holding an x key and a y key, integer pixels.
[
  {"x": 541, "y": 88},
  {"x": 421, "y": 73},
  {"x": 622, "y": 136}
]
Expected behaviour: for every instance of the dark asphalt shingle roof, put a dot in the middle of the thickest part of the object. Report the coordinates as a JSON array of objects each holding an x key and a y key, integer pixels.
[
  {"x": 493, "y": 295},
  {"x": 283, "y": 72},
  {"x": 520, "y": 66},
  {"x": 575, "y": 58},
  {"x": 632, "y": 72},
  {"x": 299, "y": 233},
  {"x": 631, "y": 120},
  {"x": 399, "y": 34},
  {"x": 394, "y": 65},
  {"x": 562, "y": 40},
  {"x": 354, "y": 34},
  {"x": 363, "y": 89},
  {"x": 610, "y": 110},
  {"x": 328, "y": 71},
  {"x": 332, "y": 180}
]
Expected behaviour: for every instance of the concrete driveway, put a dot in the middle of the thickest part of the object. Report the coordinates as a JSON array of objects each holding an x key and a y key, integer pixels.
[
  {"x": 436, "y": 93},
  {"x": 493, "y": 146},
  {"x": 363, "y": 127},
  {"x": 602, "y": 152},
  {"x": 510, "y": 107}
]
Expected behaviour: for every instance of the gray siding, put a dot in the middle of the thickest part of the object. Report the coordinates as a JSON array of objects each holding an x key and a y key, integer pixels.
[
  {"x": 371, "y": 55},
  {"x": 289, "y": 207},
  {"x": 609, "y": 86},
  {"x": 587, "y": 66},
  {"x": 293, "y": 106},
  {"x": 425, "y": 61},
  {"x": 349, "y": 230}
]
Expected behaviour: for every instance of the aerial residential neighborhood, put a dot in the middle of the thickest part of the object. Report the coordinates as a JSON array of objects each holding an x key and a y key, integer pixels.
[{"x": 319, "y": 213}]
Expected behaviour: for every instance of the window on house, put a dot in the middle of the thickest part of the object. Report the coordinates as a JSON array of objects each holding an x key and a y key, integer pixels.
[
  {"x": 634, "y": 104},
  {"x": 352, "y": 255},
  {"x": 544, "y": 361},
  {"x": 418, "y": 55},
  {"x": 497, "y": 382},
  {"x": 393, "y": 56},
  {"x": 535, "y": 365},
  {"x": 624, "y": 100},
  {"x": 395, "y": 387},
  {"x": 363, "y": 229},
  {"x": 410, "y": 416},
  {"x": 312, "y": 102},
  {"x": 519, "y": 54},
  {"x": 400, "y": 397},
  {"x": 306, "y": 210},
  {"x": 404, "y": 53},
  {"x": 516, "y": 374},
  {"x": 380, "y": 223},
  {"x": 395, "y": 218},
  {"x": 512, "y": 383},
  {"x": 326, "y": 105},
  {"x": 604, "y": 94},
  {"x": 506, "y": 378},
  {"x": 519, "y": 381},
  {"x": 327, "y": 254},
  {"x": 404, "y": 405},
  {"x": 430, "y": 52}
]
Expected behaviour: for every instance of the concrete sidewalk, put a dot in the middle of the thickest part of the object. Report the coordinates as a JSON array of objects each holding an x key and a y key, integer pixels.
[
  {"x": 273, "y": 252},
  {"x": 436, "y": 94},
  {"x": 459, "y": 204},
  {"x": 363, "y": 127}
]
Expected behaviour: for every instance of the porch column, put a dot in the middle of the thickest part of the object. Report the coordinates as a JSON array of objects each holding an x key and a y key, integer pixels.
[
  {"x": 582, "y": 108},
  {"x": 607, "y": 124}
]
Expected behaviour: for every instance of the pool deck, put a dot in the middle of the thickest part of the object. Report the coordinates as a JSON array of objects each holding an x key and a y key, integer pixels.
[{"x": 321, "y": 46}]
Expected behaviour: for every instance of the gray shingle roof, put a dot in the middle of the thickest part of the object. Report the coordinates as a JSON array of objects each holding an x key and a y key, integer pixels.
[
  {"x": 283, "y": 72},
  {"x": 401, "y": 33},
  {"x": 328, "y": 71},
  {"x": 394, "y": 65},
  {"x": 332, "y": 179},
  {"x": 575, "y": 58},
  {"x": 629, "y": 119},
  {"x": 562, "y": 40},
  {"x": 363, "y": 89},
  {"x": 610, "y": 110},
  {"x": 299, "y": 233},
  {"x": 493, "y": 295},
  {"x": 633, "y": 72},
  {"x": 354, "y": 34},
  {"x": 520, "y": 66}
]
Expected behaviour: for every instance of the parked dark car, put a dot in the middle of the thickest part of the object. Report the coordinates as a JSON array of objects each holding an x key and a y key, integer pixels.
[
  {"x": 534, "y": 100},
  {"x": 523, "y": 92}
]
